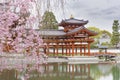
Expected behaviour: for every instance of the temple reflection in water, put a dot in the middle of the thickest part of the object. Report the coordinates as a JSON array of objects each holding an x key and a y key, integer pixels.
[
  {"x": 62, "y": 71},
  {"x": 72, "y": 71}
]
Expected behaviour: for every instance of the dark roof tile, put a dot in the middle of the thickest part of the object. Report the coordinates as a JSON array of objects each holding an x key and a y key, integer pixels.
[
  {"x": 73, "y": 21},
  {"x": 52, "y": 32}
]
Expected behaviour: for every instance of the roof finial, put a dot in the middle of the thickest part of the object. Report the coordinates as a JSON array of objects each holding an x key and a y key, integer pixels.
[{"x": 71, "y": 16}]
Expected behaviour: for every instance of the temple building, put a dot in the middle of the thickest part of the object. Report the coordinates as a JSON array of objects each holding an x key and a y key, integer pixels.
[{"x": 74, "y": 39}]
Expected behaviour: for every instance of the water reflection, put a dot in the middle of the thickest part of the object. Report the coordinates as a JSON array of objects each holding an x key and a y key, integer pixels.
[
  {"x": 67, "y": 71},
  {"x": 62, "y": 71},
  {"x": 105, "y": 68}
]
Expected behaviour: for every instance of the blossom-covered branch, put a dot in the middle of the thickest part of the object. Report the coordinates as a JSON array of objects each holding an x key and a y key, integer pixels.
[{"x": 16, "y": 29}]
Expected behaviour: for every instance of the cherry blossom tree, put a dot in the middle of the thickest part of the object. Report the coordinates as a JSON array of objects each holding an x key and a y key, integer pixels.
[{"x": 16, "y": 30}]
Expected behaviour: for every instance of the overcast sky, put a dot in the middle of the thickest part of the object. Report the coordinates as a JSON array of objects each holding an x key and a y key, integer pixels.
[{"x": 99, "y": 13}]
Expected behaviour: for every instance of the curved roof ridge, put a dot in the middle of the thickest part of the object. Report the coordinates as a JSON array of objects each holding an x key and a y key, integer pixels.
[
  {"x": 91, "y": 33},
  {"x": 73, "y": 21},
  {"x": 77, "y": 20},
  {"x": 76, "y": 30}
]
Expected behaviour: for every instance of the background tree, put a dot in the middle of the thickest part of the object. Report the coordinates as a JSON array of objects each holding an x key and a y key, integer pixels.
[
  {"x": 115, "y": 34},
  {"x": 106, "y": 32},
  {"x": 97, "y": 37},
  {"x": 105, "y": 35},
  {"x": 96, "y": 30},
  {"x": 45, "y": 5},
  {"x": 95, "y": 43},
  {"x": 49, "y": 21}
]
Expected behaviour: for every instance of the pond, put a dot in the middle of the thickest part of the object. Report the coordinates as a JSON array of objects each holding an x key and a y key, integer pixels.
[{"x": 60, "y": 71}]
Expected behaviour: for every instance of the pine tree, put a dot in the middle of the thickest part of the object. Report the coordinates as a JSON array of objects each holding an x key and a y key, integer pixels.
[
  {"x": 115, "y": 34},
  {"x": 49, "y": 21}
]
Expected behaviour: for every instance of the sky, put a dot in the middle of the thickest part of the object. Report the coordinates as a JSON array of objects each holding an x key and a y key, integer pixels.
[{"x": 99, "y": 13}]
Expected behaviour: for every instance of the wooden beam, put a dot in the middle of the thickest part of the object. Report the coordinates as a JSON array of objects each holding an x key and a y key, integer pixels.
[{"x": 70, "y": 40}]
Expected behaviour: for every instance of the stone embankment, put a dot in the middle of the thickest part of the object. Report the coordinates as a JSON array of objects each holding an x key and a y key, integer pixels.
[
  {"x": 75, "y": 59},
  {"x": 69, "y": 59}
]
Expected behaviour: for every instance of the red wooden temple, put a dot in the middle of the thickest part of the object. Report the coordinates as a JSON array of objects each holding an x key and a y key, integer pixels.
[{"x": 74, "y": 39}]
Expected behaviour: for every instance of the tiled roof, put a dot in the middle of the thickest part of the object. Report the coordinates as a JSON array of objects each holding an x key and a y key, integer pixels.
[
  {"x": 90, "y": 32},
  {"x": 75, "y": 30},
  {"x": 62, "y": 33},
  {"x": 52, "y": 32},
  {"x": 73, "y": 21},
  {"x": 79, "y": 29}
]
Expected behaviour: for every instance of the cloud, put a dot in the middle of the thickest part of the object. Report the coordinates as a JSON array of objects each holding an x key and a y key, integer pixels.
[
  {"x": 108, "y": 14},
  {"x": 100, "y": 13}
]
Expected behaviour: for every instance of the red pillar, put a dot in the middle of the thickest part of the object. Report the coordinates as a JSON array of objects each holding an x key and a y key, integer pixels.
[
  {"x": 80, "y": 50},
  {"x": 54, "y": 50},
  {"x": 84, "y": 50},
  {"x": 69, "y": 49},
  {"x": 62, "y": 48},
  {"x": 88, "y": 49},
  {"x": 57, "y": 49},
  {"x": 47, "y": 49},
  {"x": 73, "y": 48},
  {"x": 76, "y": 50}
]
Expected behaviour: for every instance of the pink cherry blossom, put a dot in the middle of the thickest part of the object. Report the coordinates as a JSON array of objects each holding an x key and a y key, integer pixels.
[{"x": 17, "y": 34}]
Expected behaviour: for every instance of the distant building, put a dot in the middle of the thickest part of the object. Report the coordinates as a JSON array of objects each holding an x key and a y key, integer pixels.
[
  {"x": 105, "y": 38},
  {"x": 118, "y": 45}
]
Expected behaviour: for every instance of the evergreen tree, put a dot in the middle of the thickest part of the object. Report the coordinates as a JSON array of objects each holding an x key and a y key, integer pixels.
[
  {"x": 49, "y": 21},
  {"x": 115, "y": 34}
]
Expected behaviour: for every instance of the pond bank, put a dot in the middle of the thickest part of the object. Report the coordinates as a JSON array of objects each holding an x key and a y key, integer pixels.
[
  {"x": 69, "y": 59},
  {"x": 77, "y": 60}
]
